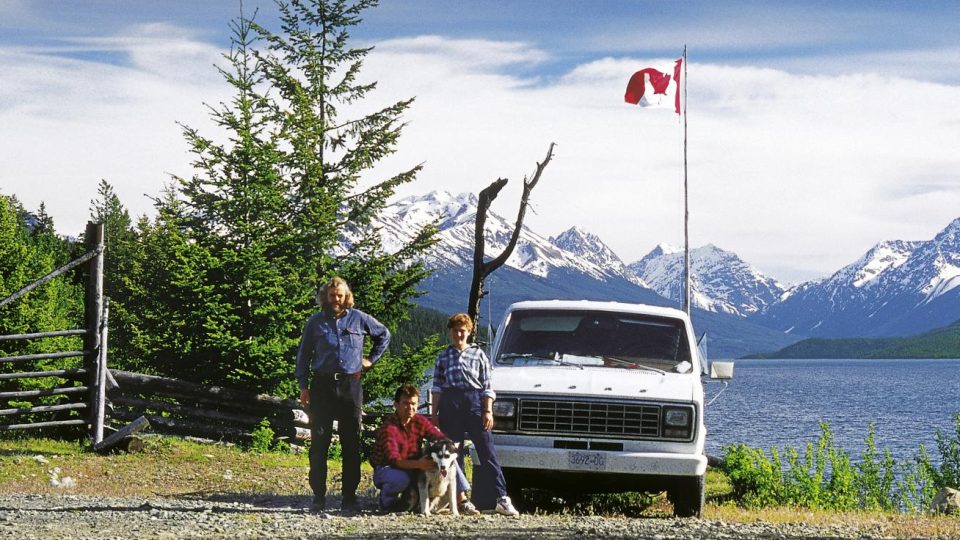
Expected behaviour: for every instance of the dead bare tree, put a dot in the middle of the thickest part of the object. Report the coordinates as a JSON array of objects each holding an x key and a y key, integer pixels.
[{"x": 483, "y": 269}]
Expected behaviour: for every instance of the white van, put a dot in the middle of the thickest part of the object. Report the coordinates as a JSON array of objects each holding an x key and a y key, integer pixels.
[{"x": 597, "y": 397}]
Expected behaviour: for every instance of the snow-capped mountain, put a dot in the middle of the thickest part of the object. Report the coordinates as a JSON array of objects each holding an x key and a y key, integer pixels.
[
  {"x": 589, "y": 247},
  {"x": 719, "y": 280},
  {"x": 574, "y": 265},
  {"x": 534, "y": 254},
  {"x": 897, "y": 288}
]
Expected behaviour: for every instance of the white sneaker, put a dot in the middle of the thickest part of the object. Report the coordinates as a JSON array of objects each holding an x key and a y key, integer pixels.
[{"x": 505, "y": 507}]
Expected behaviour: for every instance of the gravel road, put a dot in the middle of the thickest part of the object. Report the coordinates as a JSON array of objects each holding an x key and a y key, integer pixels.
[{"x": 96, "y": 518}]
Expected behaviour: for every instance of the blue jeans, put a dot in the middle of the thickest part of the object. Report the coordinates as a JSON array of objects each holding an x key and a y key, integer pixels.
[
  {"x": 393, "y": 481},
  {"x": 461, "y": 413}
]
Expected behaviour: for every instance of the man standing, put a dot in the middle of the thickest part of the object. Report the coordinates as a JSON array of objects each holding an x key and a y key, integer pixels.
[
  {"x": 329, "y": 365},
  {"x": 395, "y": 458}
]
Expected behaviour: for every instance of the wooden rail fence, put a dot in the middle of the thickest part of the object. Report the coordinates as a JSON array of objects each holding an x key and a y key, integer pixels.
[
  {"x": 179, "y": 407},
  {"x": 83, "y": 387}
]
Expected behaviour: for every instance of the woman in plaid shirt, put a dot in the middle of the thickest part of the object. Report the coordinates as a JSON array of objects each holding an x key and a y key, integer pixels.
[{"x": 463, "y": 402}]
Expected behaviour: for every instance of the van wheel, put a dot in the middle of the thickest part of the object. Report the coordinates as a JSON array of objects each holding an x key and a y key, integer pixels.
[{"x": 687, "y": 497}]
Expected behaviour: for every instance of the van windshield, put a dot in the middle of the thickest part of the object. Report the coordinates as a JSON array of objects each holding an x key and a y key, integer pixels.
[{"x": 595, "y": 339}]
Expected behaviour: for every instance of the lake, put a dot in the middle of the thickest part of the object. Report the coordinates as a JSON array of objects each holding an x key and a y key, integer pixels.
[{"x": 780, "y": 402}]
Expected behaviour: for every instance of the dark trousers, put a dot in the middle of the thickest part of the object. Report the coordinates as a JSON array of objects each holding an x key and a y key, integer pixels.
[
  {"x": 338, "y": 400},
  {"x": 461, "y": 411}
]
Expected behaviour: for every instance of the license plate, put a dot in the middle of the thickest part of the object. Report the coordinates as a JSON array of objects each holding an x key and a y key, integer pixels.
[{"x": 596, "y": 461}]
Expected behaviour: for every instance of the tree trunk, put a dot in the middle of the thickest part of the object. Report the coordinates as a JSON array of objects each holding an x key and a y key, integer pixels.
[{"x": 483, "y": 269}]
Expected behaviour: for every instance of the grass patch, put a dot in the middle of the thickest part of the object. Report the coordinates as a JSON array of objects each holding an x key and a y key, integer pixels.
[{"x": 166, "y": 467}]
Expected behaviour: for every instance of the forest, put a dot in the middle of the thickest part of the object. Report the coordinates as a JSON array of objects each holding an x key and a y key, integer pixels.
[{"x": 937, "y": 343}]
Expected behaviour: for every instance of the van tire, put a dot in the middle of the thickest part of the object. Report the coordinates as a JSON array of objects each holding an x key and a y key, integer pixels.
[{"x": 688, "y": 497}]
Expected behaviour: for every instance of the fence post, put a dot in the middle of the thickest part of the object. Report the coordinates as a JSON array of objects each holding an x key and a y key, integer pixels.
[
  {"x": 93, "y": 316},
  {"x": 100, "y": 387}
]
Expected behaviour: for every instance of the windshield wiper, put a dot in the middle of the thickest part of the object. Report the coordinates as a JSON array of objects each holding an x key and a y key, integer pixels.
[
  {"x": 563, "y": 362},
  {"x": 629, "y": 364},
  {"x": 535, "y": 356},
  {"x": 650, "y": 368},
  {"x": 539, "y": 356}
]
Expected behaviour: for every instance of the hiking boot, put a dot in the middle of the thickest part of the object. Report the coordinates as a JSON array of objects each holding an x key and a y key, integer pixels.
[
  {"x": 398, "y": 505},
  {"x": 349, "y": 506},
  {"x": 467, "y": 508},
  {"x": 505, "y": 507},
  {"x": 318, "y": 505}
]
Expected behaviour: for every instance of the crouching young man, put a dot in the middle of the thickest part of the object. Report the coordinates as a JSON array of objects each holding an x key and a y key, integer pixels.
[{"x": 395, "y": 456}]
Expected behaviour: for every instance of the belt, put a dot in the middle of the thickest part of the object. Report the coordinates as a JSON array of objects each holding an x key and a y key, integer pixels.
[
  {"x": 336, "y": 376},
  {"x": 461, "y": 390}
]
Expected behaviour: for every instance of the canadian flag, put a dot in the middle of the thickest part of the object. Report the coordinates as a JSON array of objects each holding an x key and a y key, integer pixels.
[{"x": 652, "y": 88}]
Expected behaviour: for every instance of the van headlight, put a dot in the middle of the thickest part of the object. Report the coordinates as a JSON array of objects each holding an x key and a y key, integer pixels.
[
  {"x": 505, "y": 414},
  {"x": 677, "y": 422}
]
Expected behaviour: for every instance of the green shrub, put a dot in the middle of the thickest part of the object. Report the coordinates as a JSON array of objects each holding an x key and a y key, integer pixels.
[
  {"x": 875, "y": 480},
  {"x": 825, "y": 478},
  {"x": 948, "y": 474},
  {"x": 261, "y": 438},
  {"x": 756, "y": 480},
  {"x": 842, "y": 484},
  {"x": 336, "y": 451},
  {"x": 915, "y": 486}
]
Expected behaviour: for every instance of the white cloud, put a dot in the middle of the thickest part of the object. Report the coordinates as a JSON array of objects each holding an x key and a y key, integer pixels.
[
  {"x": 67, "y": 123},
  {"x": 794, "y": 171},
  {"x": 468, "y": 54},
  {"x": 798, "y": 173}
]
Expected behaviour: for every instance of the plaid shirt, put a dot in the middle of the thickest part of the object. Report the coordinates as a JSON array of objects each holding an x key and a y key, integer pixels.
[
  {"x": 468, "y": 369},
  {"x": 396, "y": 441}
]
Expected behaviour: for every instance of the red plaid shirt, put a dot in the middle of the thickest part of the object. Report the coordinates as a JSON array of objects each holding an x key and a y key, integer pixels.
[{"x": 396, "y": 441}]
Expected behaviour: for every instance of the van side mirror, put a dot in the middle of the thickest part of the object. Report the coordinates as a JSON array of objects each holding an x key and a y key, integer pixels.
[{"x": 721, "y": 370}]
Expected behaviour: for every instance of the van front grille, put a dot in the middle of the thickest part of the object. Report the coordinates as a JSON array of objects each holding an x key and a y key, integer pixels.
[{"x": 620, "y": 420}]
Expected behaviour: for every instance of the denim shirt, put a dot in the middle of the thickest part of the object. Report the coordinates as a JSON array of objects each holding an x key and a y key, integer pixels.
[{"x": 335, "y": 345}]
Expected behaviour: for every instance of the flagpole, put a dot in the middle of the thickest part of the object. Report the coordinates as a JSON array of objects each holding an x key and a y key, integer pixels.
[{"x": 686, "y": 206}]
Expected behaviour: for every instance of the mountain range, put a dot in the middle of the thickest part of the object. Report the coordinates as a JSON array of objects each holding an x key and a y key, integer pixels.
[{"x": 897, "y": 288}]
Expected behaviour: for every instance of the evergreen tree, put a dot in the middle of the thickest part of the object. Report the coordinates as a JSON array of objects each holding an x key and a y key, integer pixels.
[
  {"x": 422, "y": 324},
  {"x": 123, "y": 263},
  {"x": 231, "y": 266},
  {"x": 14, "y": 250},
  {"x": 175, "y": 303},
  {"x": 28, "y": 253}
]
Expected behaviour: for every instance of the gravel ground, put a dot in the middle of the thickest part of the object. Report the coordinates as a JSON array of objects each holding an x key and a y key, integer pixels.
[{"x": 97, "y": 518}]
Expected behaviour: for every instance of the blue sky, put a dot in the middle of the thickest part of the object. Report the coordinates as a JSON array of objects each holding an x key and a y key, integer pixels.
[{"x": 816, "y": 129}]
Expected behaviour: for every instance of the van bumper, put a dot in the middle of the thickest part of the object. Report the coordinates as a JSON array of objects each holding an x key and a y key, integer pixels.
[{"x": 631, "y": 463}]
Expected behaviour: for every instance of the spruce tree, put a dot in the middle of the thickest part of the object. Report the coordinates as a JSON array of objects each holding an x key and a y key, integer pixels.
[
  {"x": 123, "y": 264},
  {"x": 29, "y": 250},
  {"x": 232, "y": 265}
]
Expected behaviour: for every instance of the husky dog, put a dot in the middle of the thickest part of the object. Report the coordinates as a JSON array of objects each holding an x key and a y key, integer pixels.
[{"x": 437, "y": 488}]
